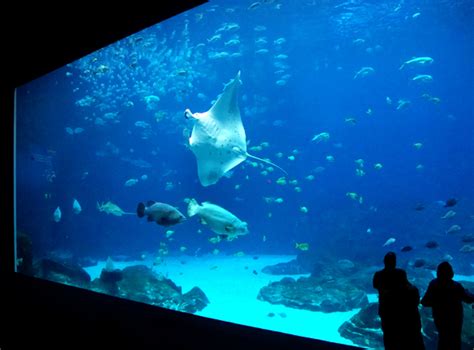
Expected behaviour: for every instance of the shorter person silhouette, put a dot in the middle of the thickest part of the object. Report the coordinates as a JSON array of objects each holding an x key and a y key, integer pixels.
[
  {"x": 398, "y": 307},
  {"x": 445, "y": 297}
]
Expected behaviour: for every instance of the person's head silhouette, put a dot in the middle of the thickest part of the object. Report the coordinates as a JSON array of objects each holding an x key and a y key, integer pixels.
[
  {"x": 390, "y": 260},
  {"x": 445, "y": 271}
]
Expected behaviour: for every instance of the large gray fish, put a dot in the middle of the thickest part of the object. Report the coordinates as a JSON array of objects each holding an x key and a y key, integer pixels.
[
  {"x": 221, "y": 221},
  {"x": 163, "y": 214}
]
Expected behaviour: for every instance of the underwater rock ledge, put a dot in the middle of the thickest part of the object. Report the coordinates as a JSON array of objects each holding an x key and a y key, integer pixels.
[
  {"x": 62, "y": 272},
  {"x": 291, "y": 267},
  {"x": 310, "y": 293},
  {"x": 137, "y": 283},
  {"x": 141, "y": 284}
]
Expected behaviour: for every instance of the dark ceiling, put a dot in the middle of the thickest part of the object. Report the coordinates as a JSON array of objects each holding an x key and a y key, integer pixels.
[{"x": 40, "y": 37}]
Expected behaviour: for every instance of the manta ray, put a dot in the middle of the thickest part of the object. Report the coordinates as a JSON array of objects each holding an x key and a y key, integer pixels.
[{"x": 218, "y": 137}]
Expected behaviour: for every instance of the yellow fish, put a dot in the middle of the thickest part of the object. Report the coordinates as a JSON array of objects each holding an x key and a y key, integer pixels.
[{"x": 302, "y": 246}]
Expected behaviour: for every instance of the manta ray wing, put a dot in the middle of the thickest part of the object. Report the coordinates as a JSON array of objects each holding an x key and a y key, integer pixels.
[
  {"x": 218, "y": 138},
  {"x": 226, "y": 108}
]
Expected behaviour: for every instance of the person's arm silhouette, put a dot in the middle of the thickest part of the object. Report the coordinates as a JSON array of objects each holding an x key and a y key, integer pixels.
[
  {"x": 427, "y": 299},
  {"x": 376, "y": 281},
  {"x": 467, "y": 296}
]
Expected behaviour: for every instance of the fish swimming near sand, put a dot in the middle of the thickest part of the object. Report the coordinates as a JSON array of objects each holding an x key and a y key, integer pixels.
[
  {"x": 161, "y": 213},
  {"x": 302, "y": 246}
]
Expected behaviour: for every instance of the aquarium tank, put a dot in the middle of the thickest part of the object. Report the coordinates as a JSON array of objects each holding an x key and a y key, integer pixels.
[{"x": 253, "y": 162}]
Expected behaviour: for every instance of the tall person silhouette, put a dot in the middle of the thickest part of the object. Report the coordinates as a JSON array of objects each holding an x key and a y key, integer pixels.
[{"x": 398, "y": 307}]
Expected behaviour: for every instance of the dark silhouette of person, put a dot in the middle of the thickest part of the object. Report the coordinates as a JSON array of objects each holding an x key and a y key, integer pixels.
[
  {"x": 398, "y": 307},
  {"x": 445, "y": 297}
]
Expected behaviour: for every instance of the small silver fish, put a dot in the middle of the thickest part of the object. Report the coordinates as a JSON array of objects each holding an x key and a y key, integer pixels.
[
  {"x": 417, "y": 61},
  {"x": 76, "y": 207},
  {"x": 57, "y": 215},
  {"x": 389, "y": 241}
]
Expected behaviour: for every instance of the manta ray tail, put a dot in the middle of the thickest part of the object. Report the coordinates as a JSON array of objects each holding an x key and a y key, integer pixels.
[{"x": 267, "y": 162}]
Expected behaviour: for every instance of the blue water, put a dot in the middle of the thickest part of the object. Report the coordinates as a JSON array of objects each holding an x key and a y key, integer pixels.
[{"x": 320, "y": 92}]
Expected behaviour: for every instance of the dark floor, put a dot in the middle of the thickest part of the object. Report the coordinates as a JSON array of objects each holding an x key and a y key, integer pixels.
[{"x": 56, "y": 316}]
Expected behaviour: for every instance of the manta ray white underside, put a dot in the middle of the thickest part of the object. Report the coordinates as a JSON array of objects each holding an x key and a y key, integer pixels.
[{"x": 218, "y": 138}]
